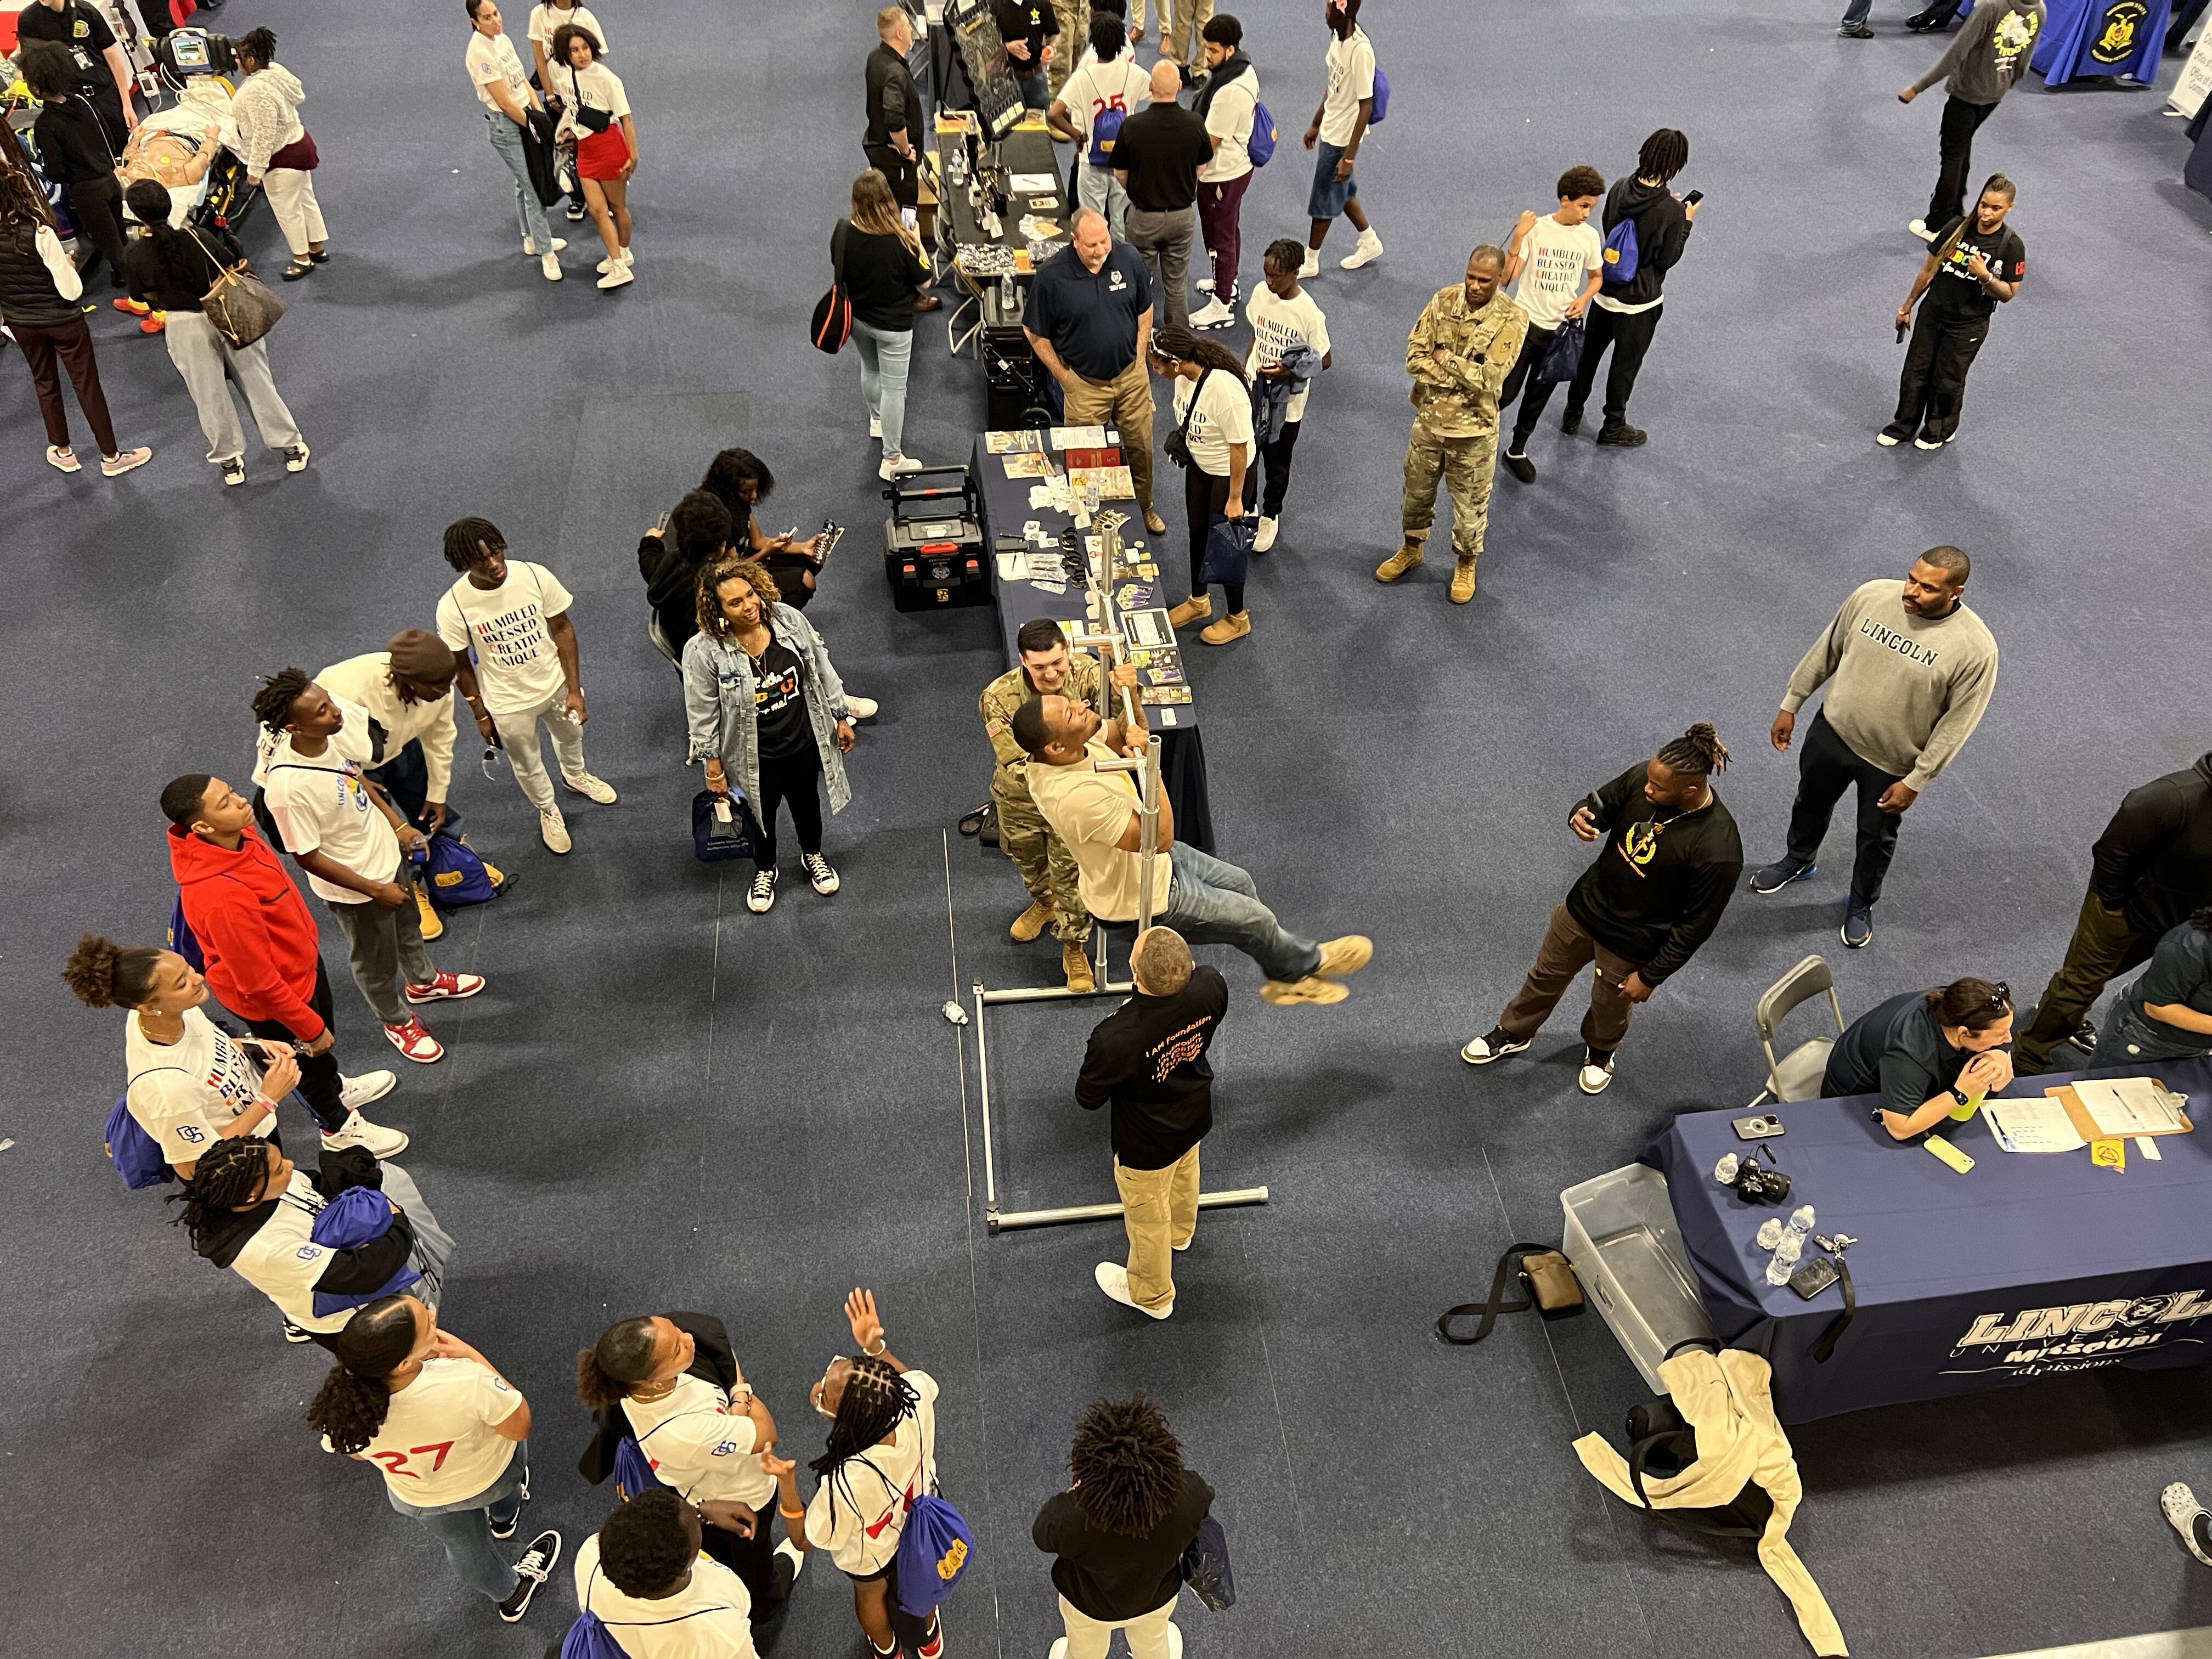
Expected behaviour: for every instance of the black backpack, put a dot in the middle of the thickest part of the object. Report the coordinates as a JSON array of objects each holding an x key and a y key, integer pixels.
[{"x": 1662, "y": 1444}]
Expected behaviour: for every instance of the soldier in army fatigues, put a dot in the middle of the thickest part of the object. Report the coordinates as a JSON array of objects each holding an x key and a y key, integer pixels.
[
  {"x": 1048, "y": 871},
  {"x": 1459, "y": 355}
]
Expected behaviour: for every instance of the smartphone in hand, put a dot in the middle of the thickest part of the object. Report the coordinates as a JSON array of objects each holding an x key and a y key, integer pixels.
[{"x": 1693, "y": 199}]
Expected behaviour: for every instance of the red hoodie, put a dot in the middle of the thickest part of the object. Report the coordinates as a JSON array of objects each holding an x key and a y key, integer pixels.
[{"x": 261, "y": 948}]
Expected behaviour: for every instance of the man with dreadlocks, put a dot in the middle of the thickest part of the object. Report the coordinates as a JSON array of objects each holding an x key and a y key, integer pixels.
[
  {"x": 882, "y": 1456},
  {"x": 1670, "y": 868},
  {"x": 1118, "y": 1533}
]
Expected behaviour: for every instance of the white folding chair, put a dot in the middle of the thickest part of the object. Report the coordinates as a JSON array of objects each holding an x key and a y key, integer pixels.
[{"x": 1797, "y": 1075}]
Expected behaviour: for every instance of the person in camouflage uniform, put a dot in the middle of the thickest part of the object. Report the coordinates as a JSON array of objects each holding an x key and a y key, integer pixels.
[
  {"x": 1074, "y": 30},
  {"x": 1459, "y": 355},
  {"x": 1047, "y": 668}
]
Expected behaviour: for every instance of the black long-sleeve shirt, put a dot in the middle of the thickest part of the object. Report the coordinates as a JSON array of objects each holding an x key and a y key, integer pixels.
[
  {"x": 1658, "y": 889},
  {"x": 2154, "y": 859},
  {"x": 1109, "y": 1578},
  {"x": 671, "y": 587},
  {"x": 893, "y": 101},
  {"x": 1148, "y": 1057},
  {"x": 73, "y": 147}
]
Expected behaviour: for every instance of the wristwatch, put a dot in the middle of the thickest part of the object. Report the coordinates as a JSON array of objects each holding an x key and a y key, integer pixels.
[{"x": 1961, "y": 1095}]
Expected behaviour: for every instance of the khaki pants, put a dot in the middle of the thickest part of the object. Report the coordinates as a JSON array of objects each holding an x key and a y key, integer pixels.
[
  {"x": 1160, "y": 1210},
  {"x": 1567, "y": 950},
  {"x": 1127, "y": 401},
  {"x": 1048, "y": 868},
  {"x": 1465, "y": 465},
  {"x": 1089, "y": 1638},
  {"x": 1184, "y": 43},
  {"x": 2102, "y": 949},
  {"x": 1074, "y": 34}
]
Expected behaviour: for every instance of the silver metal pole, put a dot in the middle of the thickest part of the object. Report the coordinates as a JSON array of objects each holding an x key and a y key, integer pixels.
[
  {"x": 983, "y": 1076},
  {"x": 1052, "y": 993},
  {"x": 1110, "y": 1212}
]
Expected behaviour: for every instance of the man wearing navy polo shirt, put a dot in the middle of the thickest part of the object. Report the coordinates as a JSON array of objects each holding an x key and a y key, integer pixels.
[{"x": 1090, "y": 320}]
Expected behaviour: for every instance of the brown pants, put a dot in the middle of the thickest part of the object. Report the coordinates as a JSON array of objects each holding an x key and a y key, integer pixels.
[
  {"x": 71, "y": 342},
  {"x": 2102, "y": 949},
  {"x": 1127, "y": 401},
  {"x": 1567, "y": 950},
  {"x": 1159, "y": 1207}
]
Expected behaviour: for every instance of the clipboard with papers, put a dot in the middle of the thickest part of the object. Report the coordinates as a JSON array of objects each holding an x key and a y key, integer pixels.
[{"x": 2110, "y": 1109}]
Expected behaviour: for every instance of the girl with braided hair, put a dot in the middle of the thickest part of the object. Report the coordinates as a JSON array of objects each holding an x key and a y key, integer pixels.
[
  {"x": 880, "y": 1458},
  {"x": 451, "y": 1435},
  {"x": 1118, "y": 1533},
  {"x": 39, "y": 289},
  {"x": 1213, "y": 411},
  {"x": 1671, "y": 859},
  {"x": 250, "y": 1208}
]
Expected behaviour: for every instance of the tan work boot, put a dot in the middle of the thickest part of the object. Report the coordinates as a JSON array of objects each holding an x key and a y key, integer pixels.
[
  {"x": 434, "y": 924},
  {"x": 1028, "y": 924},
  {"x": 1463, "y": 583},
  {"x": 1196, "y": 607},
  {"x": 1312, "y": 989},
  {"x": 1348, "y": 955},
  {"x": 1407, "y": 558},
  {"x": 1077, "y": 965},
  {"x": 1228, "y": 629}
]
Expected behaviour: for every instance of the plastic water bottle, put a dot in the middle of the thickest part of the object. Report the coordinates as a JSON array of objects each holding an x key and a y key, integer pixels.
[
  {"x": 1724, "y": 1172},
  {"x": 1770, "y": 1232},
  {"x": 1790, "y": 1246}
]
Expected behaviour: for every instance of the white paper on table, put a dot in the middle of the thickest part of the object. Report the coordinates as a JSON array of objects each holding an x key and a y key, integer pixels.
[
  {"x": 2039, "y": 1125},
  {"x": 1011, "y": 566},
  {"x": 2127, "y": 1106},
  {"x": 1027, "y": 184},
  {"x": 2148, "y": 1148}
]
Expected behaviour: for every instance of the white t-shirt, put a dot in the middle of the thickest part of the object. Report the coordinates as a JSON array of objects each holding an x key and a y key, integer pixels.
[
  {"x": 1223, "y": 417},
  {"x": 517, "y": 665},
  {"x": 183, "y": 1093},
  {"x": 319, "y": 803},
  {"x": 283, "y": 1262},
  {"x": 698, "y": 1447},
  {"x": 492, "y": 58},
  {"x": 1351, "y": 77},
  {"x": 437, "y": 1444},
  {"x": 710, "y": 1618},
  {"x": 597, "y": 86},
  {"x": 1096, "y": 87},
  {"x": 860, "y": 1510},
  {"x": 1278, "y": 325},
  {"x": 1230, "y": 118},
  {"x": 1090, "y": 811},
  {"x": 1556, "y": 262},
  {"x": 543, "y": 20}
]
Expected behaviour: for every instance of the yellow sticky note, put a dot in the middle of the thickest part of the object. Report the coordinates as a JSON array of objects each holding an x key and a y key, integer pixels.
[{"x": 2109, "y": 1154}]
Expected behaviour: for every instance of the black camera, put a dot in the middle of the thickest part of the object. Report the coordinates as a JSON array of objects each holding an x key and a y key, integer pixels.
[{"x": 1755, "y": 1182}]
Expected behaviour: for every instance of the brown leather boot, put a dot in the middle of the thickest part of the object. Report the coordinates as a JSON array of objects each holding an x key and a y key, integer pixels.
[
  {"x": 1462, "y": 582},
  {"x": 1028, "y": 924},
  {"x": 1077, "y": 965},
  {"x": 1407, "y": 558}
]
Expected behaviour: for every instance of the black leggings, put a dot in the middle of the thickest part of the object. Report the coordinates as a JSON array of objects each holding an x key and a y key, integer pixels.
[
  {"x": 96, "y": 204},
  {"x": 1205, "y": 498},
  {"x": 320, "y": 1085},
  {"x": 795, "y": 781},
  {"x": 1276, "y": 457}
]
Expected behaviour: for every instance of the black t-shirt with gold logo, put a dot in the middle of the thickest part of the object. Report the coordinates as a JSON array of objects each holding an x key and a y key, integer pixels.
[
  {"x": 1659, "y": 887},
  {"x": 1955, "y": 293}
]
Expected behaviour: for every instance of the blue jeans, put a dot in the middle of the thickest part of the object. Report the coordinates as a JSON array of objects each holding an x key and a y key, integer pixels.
[
  {"x": 884, "y": 354},
  {"x": 507, "y": 139},
  {"x": 1854, "y": 14},
  {"x": 406, "y": 775},
  {"x": 2129, "y": 1036},
  {"x": 1035, "y": 95},
  {"x": 465, "y": 1530},
  {"x": 1212, "y": 901}
]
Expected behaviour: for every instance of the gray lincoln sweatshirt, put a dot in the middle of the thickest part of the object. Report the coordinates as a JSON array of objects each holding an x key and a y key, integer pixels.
[
  {"x": 1909, "y": 691},
  {"x": 1990, "y": 52}
]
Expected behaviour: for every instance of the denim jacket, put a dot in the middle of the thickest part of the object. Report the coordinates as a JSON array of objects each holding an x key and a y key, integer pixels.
[{"x": 718, "y": 703}]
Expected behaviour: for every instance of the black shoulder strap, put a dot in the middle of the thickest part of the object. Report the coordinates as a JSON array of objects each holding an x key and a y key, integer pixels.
[
  {"x": 1842, "y": 1321},
  {"x": 1497, "y": 1304}
]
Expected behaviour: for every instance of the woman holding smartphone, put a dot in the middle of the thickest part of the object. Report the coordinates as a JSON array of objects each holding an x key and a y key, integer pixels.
[
  {"x": 1213, "y": 413},
  {"x": 1931, "y": 1055},
  {"x": 595, "y": 113}
]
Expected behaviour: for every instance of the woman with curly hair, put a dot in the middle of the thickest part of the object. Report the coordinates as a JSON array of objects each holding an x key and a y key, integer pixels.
[
  {"x": 595, "y": 113},
  {"x": 279, "y": 155},
  {"x": 882, "y": 1456},
  {"x": 1118, "y": 1533},
  {"x": 762, "y": 701},
  {"x": 451, "y": 1435},
  {"x": 1213, "y": 409}
]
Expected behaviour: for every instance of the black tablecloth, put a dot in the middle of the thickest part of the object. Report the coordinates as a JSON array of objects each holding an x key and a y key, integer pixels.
[
  {"x": 1005, "y": 511},
  {"x": 2029, "y": 1264}
]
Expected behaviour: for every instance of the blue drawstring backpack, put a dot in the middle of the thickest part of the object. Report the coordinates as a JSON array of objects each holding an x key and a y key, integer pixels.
[
  {"x": 588, "y": 1639},
  {"x": 1105, "y": 128},
  {"x": 935, "y": 1548},
  {"x": 454, "y": 875},
  {"x": 1260, "y": 146},
  {"x": 1622, "y": 257},
  {"x": 634, "y": 1470},
  {"x": 357, "y": 1216},
  {"x": 135, "y": 1155},
  {"x": 1381, "y": 97},
  {"x": 183, "y": 940}
]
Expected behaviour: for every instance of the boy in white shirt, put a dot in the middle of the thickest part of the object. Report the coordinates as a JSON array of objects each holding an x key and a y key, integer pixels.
[
  {"x": 643, "y": 1576},
  {"x": 1228, "y": 106},
  {"x": 1105, "y": 87},
  {"x": 356, "y": 849},
  {"x": 1339, "y": 125},
  {"x": 1283, "y": 315},
  {"x": 515, "y": 616},
  {"x": 1560, "y": 261}
]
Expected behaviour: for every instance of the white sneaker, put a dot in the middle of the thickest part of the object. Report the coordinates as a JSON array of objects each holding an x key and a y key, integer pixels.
[
  {"x": 1213, "y": 314},
  {"x": 358, "y": 1130},
  {"x": 530, "y": 246},
  {"x": 875, "y": 427},
  {"x": 791, "y": 1552},
  {"x": 760, "y": 895},
  {"x": 597, "y": 789},
  {"x": 1595, "y": 1076},
  {"x": 861, "y": 708},
  {"x": 819, "y": 872},
  {"x": 618, "y": 278},
  {"x": 1368, "y": 251},
  {"x": 1310, "y": 265},
  {"x": 1919, "y": 227},
  {"x": 1114, "y": 1279},
  {"x": 1266, "y": 537},
  {"x": 1204, "y": 285},
  {"x": 899, "y": 468},
  {"x": 550, "y": 264},
  {"x": 355, "y": 1092},
  {"x": 553, "y": 829},
  {"x": 1885, "y": 441}
]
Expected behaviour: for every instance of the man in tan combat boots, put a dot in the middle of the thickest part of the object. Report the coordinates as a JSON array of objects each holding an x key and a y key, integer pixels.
[
  {"x": 1459, "y": 355},
  {"x": 1047, "y": 669}
]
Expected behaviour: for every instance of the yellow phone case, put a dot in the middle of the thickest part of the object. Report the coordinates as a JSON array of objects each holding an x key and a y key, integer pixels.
[{"x": 1950, "y": 1154}]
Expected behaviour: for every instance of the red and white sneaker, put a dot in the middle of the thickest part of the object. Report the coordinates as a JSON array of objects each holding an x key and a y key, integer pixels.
[
  {"x": 934, "y": 1647},
  {"x": 415, "y": 1043},
  {"x": 447, "y": 987}
]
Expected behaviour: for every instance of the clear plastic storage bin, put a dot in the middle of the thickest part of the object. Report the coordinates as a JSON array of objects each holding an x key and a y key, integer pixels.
[{"x": 1621, "y": 1237}]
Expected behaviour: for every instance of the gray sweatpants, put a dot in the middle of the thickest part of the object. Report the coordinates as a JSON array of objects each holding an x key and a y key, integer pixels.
[
  {"x": 1165, "y": 239},
  {"x": 517, "y": 733},
  {"x": 381, "y": 945},
  {"x": 201, "y": 354}
]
